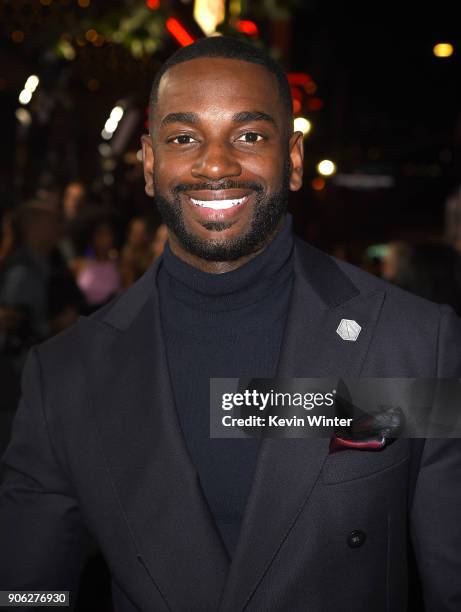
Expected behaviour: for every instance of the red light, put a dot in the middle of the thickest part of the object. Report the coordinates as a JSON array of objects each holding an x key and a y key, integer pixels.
[
  {"x": 296, "y": 106},
  {"x": 296, "y": 98},
  {"x": 298, "y": 78},
  {"x": 177, "y": 30},
  {"x": 314, "y": 104},
  {"x": 295, "y": 93},
  {"x": 318, "y": 184},
  {"x": 153, "y": 5},
  {"x": 247, "y": 27}
]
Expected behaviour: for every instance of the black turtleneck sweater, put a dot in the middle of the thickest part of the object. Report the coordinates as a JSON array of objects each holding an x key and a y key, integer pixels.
[{"x": 228, "y": 326}]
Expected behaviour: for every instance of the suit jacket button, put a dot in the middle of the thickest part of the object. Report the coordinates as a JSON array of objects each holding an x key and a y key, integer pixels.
[{"x": 356, "y": 538}]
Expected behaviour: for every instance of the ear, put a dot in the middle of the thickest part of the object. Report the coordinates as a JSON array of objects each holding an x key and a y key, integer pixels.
[
  {"x": 296, "y": 148},
  {"x": 148, "y": 163}
]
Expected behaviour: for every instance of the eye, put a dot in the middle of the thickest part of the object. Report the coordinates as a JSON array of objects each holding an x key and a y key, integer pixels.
[
  {"x": 250, "y": 137},
  {"x": 182, "y": 139}
]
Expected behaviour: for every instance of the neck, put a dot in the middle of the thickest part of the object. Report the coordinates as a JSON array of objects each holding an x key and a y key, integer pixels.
[{"x": 218, "y": 267}]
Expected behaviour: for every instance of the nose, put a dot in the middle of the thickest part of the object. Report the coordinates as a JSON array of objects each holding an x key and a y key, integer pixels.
[{"x": 215, "y": 162}]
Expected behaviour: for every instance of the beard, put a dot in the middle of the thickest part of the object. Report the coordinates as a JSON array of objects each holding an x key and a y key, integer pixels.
[{"x": 267, "y": 213}]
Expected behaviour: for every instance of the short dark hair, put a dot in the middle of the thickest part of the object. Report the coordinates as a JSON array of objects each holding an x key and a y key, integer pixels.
[{"x": 229, "y": 48}]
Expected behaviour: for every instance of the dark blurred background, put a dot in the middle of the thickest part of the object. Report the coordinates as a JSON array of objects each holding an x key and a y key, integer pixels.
[{"x": 375, "y": 88}]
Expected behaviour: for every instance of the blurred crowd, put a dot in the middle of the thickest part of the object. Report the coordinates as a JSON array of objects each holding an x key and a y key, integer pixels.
[{"x": 62, "y": 259}]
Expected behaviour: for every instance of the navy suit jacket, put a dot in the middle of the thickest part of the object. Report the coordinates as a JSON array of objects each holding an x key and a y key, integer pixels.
[{"x": 97, "y": 449}]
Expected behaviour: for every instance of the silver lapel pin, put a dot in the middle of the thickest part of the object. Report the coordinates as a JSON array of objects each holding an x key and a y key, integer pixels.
[{"x": 348, "y": 329}]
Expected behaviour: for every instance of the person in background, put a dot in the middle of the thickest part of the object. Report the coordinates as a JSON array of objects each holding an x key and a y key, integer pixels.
[
  {"x": 395, "y": 256},
  {"x": 427, "y": 270},
  {"x": 28, "y": 269},
  {"x": 73, "y": 198},
  {"x": 72, "y": 205},
  {"x": 97, "y": 274},
  {"x": 137, "y": 253}
]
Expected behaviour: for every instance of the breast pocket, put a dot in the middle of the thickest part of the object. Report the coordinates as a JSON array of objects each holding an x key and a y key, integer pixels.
[{"x": 353, "y": 464}]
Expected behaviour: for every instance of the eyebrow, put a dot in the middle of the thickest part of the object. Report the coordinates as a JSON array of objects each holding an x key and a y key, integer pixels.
[
  {"x": 253, "y": 116},
  {"x": 179, "y": 118},
  {"x": 241, "y": 117}
]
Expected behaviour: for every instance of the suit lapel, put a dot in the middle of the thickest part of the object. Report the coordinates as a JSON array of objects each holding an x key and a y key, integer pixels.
[
  {"x": 154, "y": 479},
  {"x": 288, "y": 469}
]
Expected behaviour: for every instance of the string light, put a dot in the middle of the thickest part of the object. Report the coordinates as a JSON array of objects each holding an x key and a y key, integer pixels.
[
  {"x": 25, "y": 96},
  {"x": 29, "y": 87},
  {"x": 112, "y": 123}
]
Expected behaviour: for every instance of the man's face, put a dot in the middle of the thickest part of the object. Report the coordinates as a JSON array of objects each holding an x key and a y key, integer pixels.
[{"x": 221, "y": 162}]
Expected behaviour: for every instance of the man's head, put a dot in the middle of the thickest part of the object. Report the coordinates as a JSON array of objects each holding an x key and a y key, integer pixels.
[{"x": 222, "y": 154}]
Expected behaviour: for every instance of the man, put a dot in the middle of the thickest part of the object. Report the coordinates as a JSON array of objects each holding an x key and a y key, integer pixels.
[
  {"x": 24, "y": 281},
  {"x": 112, "y": 434}
]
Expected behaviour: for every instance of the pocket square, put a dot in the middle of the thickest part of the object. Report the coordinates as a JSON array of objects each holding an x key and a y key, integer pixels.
[
  {"x": 338, "y": 443},
  {"x": 369, "y": 432}
]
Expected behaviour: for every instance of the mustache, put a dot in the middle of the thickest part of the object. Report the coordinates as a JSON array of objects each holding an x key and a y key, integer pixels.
[{"x": 217, "y": 186}]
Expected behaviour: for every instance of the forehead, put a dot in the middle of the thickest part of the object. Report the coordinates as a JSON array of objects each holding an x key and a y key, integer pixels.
[{"x": 217, "y": 83}]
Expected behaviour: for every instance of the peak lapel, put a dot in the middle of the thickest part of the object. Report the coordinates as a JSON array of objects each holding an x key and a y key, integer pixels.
[
  {"x": 288, "y": 469},
  {"x": 154, "y": 480}
]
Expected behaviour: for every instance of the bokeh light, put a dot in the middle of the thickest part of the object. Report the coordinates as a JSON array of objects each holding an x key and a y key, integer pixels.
[
  {"x": 443, "y": 50},
  {"x": 318, "y": 184},
  {"x": 326, "y": 167},
  {"x": 17, "y": 36},
  {"x": 25, "y": 96},
  {"x": 301, "y": 124}
]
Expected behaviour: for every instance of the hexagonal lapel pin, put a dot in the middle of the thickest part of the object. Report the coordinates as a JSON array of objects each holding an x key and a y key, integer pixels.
[{"x": 348, "y": 329}]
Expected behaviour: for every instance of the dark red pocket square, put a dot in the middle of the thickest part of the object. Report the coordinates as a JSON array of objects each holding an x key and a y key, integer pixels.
[
  {"x": 338, "y": 443},
  {"x": 369, "y": 432}
]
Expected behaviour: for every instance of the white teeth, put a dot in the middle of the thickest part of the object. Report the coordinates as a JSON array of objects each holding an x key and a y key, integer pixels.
[{"x": 217, "y": 204}]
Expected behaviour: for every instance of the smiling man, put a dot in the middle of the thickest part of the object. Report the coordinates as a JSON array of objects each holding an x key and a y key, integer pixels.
[
  {"x": 112, "y": 436},
  {"x": 221, "y": 154}
]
